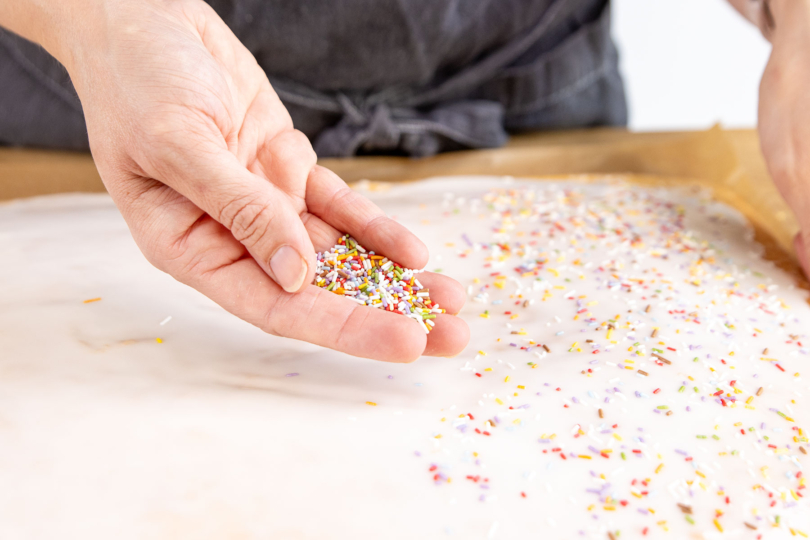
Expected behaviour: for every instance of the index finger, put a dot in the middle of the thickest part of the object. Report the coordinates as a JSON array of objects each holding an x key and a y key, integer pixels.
[{"x": 332, "y": 200}]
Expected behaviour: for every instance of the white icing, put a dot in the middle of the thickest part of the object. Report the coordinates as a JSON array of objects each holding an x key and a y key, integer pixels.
[{"x": 105, "y": 433}]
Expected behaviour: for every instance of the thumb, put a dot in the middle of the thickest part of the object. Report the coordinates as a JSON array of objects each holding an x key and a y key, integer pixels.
[{"x": 258, "y": 214}]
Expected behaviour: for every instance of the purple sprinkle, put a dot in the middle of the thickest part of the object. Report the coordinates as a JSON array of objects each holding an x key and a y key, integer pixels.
[{"x": 292, "y": 375}]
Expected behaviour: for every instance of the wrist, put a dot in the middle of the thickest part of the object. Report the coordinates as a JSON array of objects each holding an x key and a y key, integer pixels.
[{"x": 56, "y": 25}]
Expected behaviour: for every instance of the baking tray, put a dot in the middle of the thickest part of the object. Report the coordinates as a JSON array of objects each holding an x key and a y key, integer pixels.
[{"x": 729, "y": 162}]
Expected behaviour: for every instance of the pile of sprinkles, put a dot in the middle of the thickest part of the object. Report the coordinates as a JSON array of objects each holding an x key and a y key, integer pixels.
[
  {"x": 633, "y": 368},
  {"x": 349, "y": 270}
]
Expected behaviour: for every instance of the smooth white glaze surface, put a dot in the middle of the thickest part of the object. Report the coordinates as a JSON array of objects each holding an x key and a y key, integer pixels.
[{"x": 106, "y": 433}]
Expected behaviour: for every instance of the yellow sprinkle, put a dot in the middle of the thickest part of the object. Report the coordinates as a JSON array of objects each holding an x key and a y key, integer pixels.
[
  {"x": 658, "y": 469},
  {"x": 498, "y": 401},
  {"x": 91, "y": 300},
  {"x": 520, "y": 386},
  {"x": 159, "y": 340},
  {"x": 583, "y": 456},
  {"x": 717, "y": 524},
  {"x": 506, "y": 379},
  {"x": 488, "y": 369},
  {"x": 482, "y": 353},
  {"x": 371, "y": 403}
]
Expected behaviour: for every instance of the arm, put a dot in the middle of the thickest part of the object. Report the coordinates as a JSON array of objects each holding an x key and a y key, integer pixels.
[{"x": 217, "y": 187}]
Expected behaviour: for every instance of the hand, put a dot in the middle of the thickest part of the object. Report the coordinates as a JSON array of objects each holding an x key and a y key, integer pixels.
[
  {"x": 222, "y": 193},
  {"x": 784, "y": 113}
]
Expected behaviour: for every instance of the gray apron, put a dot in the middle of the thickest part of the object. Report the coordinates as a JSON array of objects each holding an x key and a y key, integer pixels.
[{"x": 408, "y": 77}]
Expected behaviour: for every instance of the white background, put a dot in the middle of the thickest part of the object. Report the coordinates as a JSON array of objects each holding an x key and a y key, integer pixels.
[{"x": 688, "y": 63}]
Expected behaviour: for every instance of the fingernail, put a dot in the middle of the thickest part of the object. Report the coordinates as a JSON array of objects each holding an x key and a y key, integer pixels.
[{"x": 289, "y": 269}]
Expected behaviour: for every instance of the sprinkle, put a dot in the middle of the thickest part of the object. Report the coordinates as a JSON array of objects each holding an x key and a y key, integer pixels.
[
  {"x": 371, "y": 403},
  {"x": 759, "y": 391},
  {"x": 685, "y": 509},
  {"x": 371, "y": 280},
  {"x": 91, "y": 300},
  {"x": 642, "y": 372},
  {"x": 601, "y": 414}
]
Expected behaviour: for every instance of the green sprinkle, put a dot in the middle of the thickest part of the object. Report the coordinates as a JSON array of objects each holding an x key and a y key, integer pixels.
[
  {"x": 437, "y": 270},
  {"x": 662, "y": 407},
  {"x": 429, "y": 316},
  {"x": 715, "y": 437},
  {"x": 696, "y": 389},
  {"x": 695, "y": 359},
  {"x": 681, "y": 389},
  {"x": 623, "y": 456},
  {"x": 689, "y": 519},
  {"x": 701, "y": 436}
]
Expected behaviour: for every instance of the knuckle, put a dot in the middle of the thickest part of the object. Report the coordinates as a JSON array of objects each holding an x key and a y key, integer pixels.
[
  {"x": 248, "y": 218},
  {"x": 292, "y": 148}
]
